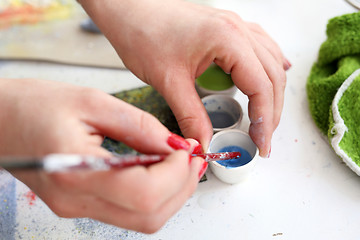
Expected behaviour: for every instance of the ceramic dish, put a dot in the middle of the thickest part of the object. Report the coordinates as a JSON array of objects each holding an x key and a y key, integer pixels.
[
  {"x": 239, "y": 169},
  {"x": 224, "y": 112}
]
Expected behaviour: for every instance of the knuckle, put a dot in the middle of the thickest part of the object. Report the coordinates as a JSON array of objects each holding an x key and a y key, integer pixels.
[
  {"x": 187, "y": 123},
  {"x": 152, "y": 225},
  {"x": 59, "y": 145},
  {"x": 63, "y": 180},
  {"x": 147, "y": 201},
  {"x": 229, "y": 20},
  {"x": 192, "y": 187},
  {"x": 89, "y": 97},
  {"x": 256, "y": 28},
  {"x": 57, "y": 179},
  {"x": 144, "y": 120},
  {"x": 60, "y": 208},
  {"x": 281, "y": 80},
  {"x": 268, "y": 86}
]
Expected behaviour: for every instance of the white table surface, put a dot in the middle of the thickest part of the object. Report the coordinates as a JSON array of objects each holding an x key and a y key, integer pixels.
[{"x": 303, "y": 191}]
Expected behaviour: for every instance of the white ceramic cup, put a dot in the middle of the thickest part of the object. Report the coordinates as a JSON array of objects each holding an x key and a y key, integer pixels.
[
  {"x": 224, "y": 112},
  {"x": 203, "y": 92},
  {"x": 238, "y": 138}
]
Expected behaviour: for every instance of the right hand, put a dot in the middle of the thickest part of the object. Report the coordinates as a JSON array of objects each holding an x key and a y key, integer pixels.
[{"x": 42, "y": 117}]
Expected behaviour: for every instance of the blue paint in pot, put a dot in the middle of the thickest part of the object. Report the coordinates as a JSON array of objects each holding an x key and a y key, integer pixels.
[{"x": 231, "y": 163}]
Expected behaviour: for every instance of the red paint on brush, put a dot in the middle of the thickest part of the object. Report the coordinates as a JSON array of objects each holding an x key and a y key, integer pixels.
[
  {"x": 177, "y": 142},
  {"x": 197, "y": 150},
  {"x": 219, "y": 156},
  {"x": 31, "y": 196},
  {"x": 145, "y": 160}
]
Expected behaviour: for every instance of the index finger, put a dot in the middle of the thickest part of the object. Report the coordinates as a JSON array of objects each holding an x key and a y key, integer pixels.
[
  {"x": 126, "y": 123},
  {"x": 250, "y": 77}
]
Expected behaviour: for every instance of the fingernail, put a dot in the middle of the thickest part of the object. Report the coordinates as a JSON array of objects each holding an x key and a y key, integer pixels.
[
  {"x": 287, "y": 65},
  {"x": 203, "y": 169},
  {"x": 177, "y": 142},
  {"x": 268, "y": 156},
  {"x": 198, "y": 150}
]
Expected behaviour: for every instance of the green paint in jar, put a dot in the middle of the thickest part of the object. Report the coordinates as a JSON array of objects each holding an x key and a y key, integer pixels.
[{"x": 214, "y": 78}]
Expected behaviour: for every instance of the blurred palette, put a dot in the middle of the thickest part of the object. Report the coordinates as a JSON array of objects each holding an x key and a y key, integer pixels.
[
  {"x": 52, "y": 32},
  {"x": 149, "y": 100}
]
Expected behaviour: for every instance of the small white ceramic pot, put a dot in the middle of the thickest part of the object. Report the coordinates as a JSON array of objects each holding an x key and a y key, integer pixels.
[
  {"x": 224, "y": 112},
  {"x": 237, "y": 138},
  {"x": 203, "y": 92}
]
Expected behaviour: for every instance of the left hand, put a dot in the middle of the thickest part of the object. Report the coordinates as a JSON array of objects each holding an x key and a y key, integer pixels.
[{"x": 168, "y": 44}]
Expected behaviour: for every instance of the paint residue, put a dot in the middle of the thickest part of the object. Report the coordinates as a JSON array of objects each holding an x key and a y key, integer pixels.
[
  {"x": 209, "y": 201},
  {"x": 31, "y": 197},
  {"x": 257, "y": 121},
  {"x": 277, "y": 234},
  {"x": 98, "y": 230}
]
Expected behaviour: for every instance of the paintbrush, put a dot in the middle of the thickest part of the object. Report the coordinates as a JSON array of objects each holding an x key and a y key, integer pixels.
[{"x": 70, "y": 162}]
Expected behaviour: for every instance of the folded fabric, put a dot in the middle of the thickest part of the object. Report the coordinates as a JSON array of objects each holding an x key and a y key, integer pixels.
[{"x": 333, "y": 88}]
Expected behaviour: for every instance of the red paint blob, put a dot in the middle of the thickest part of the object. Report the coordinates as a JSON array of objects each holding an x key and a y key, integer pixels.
[{"x": 31, "y": 196}]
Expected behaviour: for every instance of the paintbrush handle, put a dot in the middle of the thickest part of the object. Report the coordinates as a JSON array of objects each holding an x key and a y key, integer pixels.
[
  {"x": 70, "y": 162},
  {"x": 59, "y": 162}
]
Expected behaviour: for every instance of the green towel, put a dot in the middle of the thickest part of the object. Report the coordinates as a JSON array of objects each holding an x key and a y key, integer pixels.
[{"x": 333, "y": 88}]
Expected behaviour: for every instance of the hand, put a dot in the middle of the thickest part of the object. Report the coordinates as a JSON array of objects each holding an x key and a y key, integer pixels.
[
  {"x": 168, "y": 44},
  {"x": 41, "y": 117}
]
